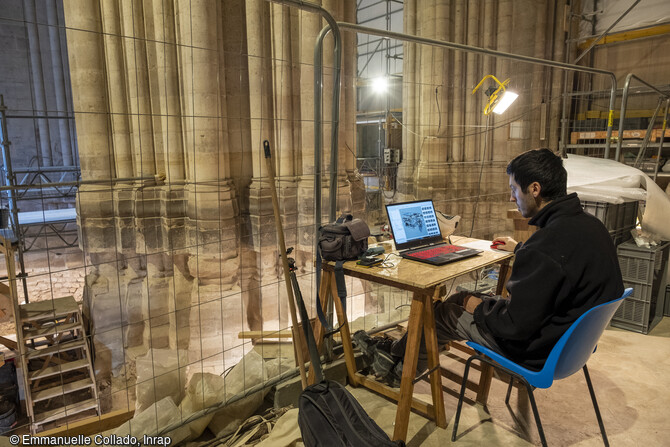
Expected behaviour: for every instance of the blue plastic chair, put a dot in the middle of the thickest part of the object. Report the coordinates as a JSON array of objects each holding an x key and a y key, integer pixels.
[{"x": 568, "y": 356}]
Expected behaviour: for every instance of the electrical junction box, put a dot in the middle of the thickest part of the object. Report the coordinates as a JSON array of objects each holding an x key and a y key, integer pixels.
[{"x": 391, "y": 155}]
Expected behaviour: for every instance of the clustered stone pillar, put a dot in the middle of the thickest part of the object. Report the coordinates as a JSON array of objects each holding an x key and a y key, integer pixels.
[
  {"x": 448, "y": 142},
  {"x": 173, "y": 100}
]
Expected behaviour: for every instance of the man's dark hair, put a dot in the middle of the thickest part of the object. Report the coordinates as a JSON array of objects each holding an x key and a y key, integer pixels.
[{"x": 542, "y": 166}]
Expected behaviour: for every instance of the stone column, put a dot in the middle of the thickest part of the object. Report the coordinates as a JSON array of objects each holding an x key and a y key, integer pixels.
[
  {"x": 447, "y": 160},
  {"x": 262, "y": 253},
  {"x": 95, "y": 204},
  {"x": 179, "y": 96},
  {"x": 411, "y": 133},
  {"x": 57, "y": 68},
  {"x": 356, "y": 186},
  {"x": 309, "y": 27},
  {"x": 40, "y": 104}
]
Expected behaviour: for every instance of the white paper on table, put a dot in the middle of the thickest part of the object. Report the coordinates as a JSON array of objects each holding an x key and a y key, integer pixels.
[{"x": 479, "y": 245}]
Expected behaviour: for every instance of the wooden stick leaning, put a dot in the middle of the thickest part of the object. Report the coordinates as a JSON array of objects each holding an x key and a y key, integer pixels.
[{"x": 297, "y": 338}]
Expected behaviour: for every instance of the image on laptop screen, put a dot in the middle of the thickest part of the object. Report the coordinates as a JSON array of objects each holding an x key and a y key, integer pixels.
[{"x": 413, "y": 223}]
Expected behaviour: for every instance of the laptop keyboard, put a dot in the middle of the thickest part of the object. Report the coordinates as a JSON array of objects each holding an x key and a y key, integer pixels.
[{"x": 436, "y": 251}]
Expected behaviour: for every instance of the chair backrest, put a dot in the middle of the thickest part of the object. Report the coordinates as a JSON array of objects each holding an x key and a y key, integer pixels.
[{"x": 574, "y": 348}]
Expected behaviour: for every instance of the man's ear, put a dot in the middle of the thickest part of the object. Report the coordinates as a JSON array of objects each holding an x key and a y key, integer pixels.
[{"x": 535, "y": 189}]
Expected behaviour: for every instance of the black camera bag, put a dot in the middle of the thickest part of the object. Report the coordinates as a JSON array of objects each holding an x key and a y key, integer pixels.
[{"x": 344, "y": 239}]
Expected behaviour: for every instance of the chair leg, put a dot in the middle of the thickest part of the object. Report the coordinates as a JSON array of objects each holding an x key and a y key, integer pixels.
[
  {"x": 509, "y": 389},
  {"x": 461, "y": 396},
  {"x": 595, "y": 406},
  {"x": 521, "y": 379},
  {"x": 535, "y": 412}
]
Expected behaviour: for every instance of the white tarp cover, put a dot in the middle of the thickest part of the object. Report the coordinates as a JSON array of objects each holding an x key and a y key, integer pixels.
[
  {"x": 160, "y": 373},
  {"x": 647, "y": 13},
  {"x": 151, "y": 420},
  {"x": 250, "y": 371},
  {"x": 285, "y": 432},
  {"x": 609, "y": 181}
]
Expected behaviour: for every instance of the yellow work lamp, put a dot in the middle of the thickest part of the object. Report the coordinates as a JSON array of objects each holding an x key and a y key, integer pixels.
[{"x": 499, "y": 98}]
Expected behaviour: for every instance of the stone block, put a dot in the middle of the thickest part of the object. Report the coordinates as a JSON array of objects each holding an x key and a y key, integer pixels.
[
  {"x": 148, "y": 235},
  {"x": 125, "y": 235},
  {"x": 95, "y": 235}
]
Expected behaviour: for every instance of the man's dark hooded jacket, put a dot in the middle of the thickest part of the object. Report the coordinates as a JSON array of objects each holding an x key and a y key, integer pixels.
[{"x": 568, "y": 266}]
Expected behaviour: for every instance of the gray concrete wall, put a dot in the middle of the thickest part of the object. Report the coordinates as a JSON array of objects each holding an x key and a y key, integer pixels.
[{"x": 26, "y": 74}]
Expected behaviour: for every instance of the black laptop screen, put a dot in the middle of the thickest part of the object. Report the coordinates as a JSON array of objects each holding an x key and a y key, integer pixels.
[{"x": 413, "y": 224}]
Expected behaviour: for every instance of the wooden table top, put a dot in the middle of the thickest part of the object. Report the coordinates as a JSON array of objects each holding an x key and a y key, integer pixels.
[{"x": 418, "y": 276}]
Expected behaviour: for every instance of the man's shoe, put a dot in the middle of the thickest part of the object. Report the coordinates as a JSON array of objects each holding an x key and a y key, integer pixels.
[
  {"x": 383, "y": 363},
  {"x": 365, "y": 343},
  {"x": 395, "y": 375}
]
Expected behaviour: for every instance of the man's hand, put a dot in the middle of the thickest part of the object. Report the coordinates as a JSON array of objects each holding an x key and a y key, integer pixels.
[
  {"x": 505, "y": 243},
  {"x": 470, "y": 303}
]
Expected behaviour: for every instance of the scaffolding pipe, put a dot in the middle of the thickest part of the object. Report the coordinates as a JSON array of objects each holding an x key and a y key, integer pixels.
[
  {"x": 610, "y": 117},
  {"x": 564, "y": 98},
  {"x": 335, "y": 117},
  {"x": 604, "y": 33},
  {"x": 501, "y": 54},
  {"x": 624, "y": 102},
  {"x": 10, "y": 181},
  {"x": 660, "y": 144},
  {"x": 318, "y": 89},
  {"x": 647, "y": 134},
  {"x": 77, "y": 183},
  {"x": 47, "y": 169},
  {"x": 41, "y": 117}
]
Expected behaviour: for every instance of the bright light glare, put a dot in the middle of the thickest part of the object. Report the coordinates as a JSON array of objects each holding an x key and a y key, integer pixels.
[
  {"x": 507, "y": 99},
  {"x": 379, "y": 85}
]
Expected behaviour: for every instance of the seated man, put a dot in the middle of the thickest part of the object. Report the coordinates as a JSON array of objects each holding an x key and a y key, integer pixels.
[{"x": 568, "y": 266}]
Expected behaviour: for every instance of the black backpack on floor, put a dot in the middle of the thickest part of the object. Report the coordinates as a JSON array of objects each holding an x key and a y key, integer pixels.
[{"x": 328, "y": 415}]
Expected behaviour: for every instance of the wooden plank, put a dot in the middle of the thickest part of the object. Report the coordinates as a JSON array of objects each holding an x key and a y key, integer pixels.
[
  {"x": 419, "y": 277},
  {"x": 286, "y": 333},
  {"x": 503, "y": 276},
  {"x": 29, "y": 334},
  {"x": 433, "y": 359},
  {"x": 419, "y": 406},
  {"x": 485, "y": 375},
  {"x": 11, "y": 344},
  {"x": 60, "y": 390},
  {"x": 57, "y": 307},
  {"x": 416, "y": 314},
  {"x": 485, "y": 379},
  {"x": 57, "y": 348},
  {"x": 58, "y": 369},
  {"x": 631, "y": 134},
  {"x": 457, "y": 378},
  {"x": 92, "y": 425},
  {"x": 69, "y": 410},
  {"x": 346, "y": 336}
]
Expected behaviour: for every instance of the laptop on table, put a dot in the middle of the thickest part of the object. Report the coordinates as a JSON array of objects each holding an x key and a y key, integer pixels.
[{"x": 417, "y": 234}]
